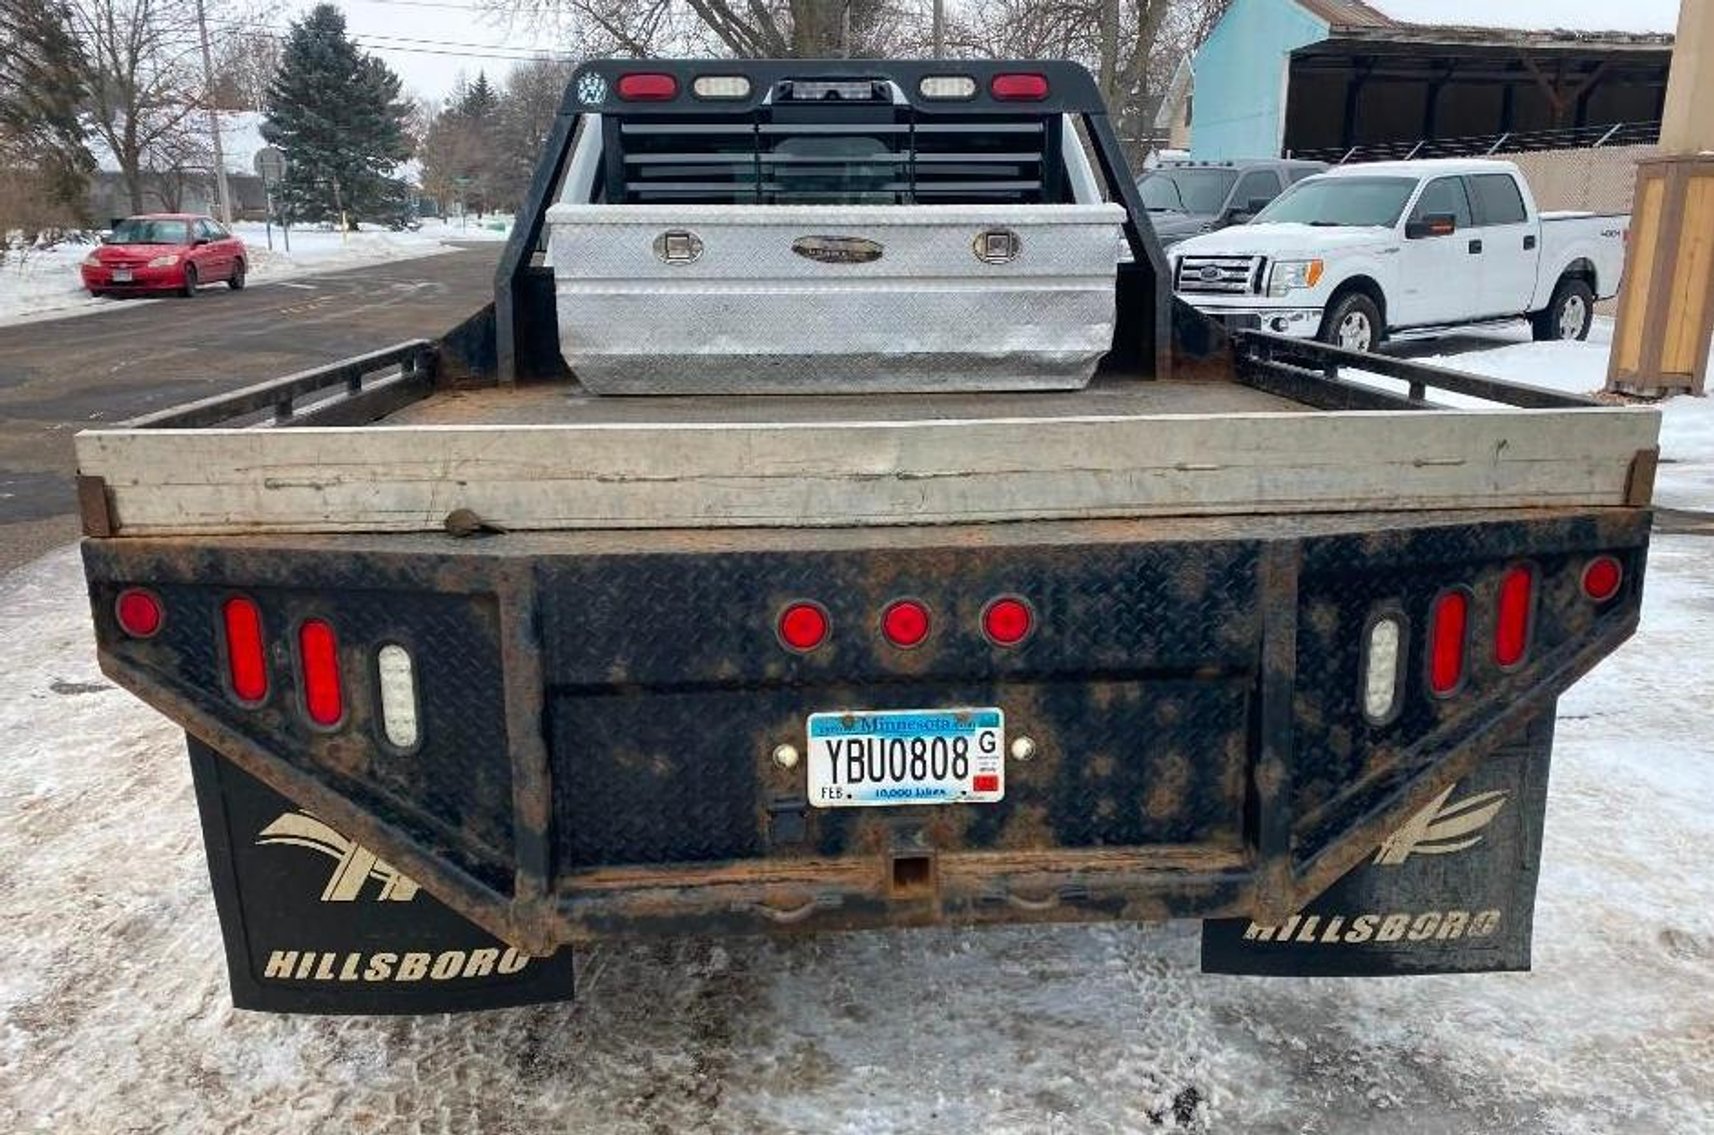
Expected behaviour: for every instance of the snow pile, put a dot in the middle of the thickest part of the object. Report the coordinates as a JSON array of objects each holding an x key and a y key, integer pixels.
[{"x": 46, "y": 282}]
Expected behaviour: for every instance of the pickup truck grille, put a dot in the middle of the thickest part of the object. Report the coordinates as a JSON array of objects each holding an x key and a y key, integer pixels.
[{"x": 1240, "y": 275}]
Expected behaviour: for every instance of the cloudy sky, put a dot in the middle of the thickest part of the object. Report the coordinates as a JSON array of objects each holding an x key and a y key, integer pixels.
[{"x": 430, "y": 43}]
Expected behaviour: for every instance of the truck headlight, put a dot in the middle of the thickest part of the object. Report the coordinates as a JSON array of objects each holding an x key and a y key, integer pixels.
[
  {"x": 163, "y": 261},
  {"x": 1287, "y": 275}
]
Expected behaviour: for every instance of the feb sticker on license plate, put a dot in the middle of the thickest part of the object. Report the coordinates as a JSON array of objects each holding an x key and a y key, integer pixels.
[{"x": 912, "y": 756}]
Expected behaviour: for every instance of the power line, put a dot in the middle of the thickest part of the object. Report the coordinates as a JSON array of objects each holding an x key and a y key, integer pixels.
[{"x": 376, "y": 41}]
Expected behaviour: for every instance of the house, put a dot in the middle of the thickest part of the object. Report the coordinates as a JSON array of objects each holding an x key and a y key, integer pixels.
[{"x": 1334, "y": 79}]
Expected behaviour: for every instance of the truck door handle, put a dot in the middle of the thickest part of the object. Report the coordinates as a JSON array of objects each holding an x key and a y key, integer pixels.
[
  {"x": 1475, "y": 246},
  {"x": 1529, "y": 243}
]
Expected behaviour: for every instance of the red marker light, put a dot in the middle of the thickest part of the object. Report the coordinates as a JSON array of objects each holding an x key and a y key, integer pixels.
[
  {"x": 1008, "y": 621},
  {"x": 139, "y": 612},
  {"x": 905, "y": 623},
  {"x": 1602, "y": 577},
  {"x": 1021, "y": 88},
  {"x": 1447, "y": 635},
  {"x": 803, "y": 626},
  {"x": 318, "y": 653},
  {"x": 1512, "y": 623},
  {"x": 246, "y": 657},
  {"x": 647, "y": 87}
]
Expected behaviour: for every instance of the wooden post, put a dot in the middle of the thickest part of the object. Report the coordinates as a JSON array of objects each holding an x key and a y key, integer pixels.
[{"x": 1666, "y": 307}]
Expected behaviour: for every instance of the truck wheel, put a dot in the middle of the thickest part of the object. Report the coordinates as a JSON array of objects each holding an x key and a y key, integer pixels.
[
  {"x": 1568, "y": 315},
  {"x": 189, "y": 289},
  {"x": 1353, "y": 323}
]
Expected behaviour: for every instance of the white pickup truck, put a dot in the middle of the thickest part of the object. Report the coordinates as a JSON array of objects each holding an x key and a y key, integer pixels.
[{"x": 1361, "y": 251}]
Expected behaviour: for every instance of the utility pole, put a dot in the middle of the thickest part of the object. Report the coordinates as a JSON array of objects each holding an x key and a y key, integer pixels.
[
  {"x": 213, "y": 118},
  {"x": 939, "y": 29},
  {"x": 1666, "y": 308}
]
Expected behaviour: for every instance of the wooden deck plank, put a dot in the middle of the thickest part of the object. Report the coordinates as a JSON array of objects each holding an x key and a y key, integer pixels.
[{"x": 861, "y": 472}]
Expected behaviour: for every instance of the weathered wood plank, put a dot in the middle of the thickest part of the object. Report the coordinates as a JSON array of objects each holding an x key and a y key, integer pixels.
[{"x": 392, "y": 479}]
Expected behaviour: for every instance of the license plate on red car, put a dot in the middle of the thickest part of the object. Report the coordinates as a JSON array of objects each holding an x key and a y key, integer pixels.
[
  {"x": 121, "y": 275},
  {"x": 880, "y": 758}
]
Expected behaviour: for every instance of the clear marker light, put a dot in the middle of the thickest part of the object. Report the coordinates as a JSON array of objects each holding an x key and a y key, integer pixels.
[
  {"x": 1381, "y": 669},
  {"x": 720, "y": 87},
  {"x": 946, "y": 87},
  {"x": 398, "y": 681}
]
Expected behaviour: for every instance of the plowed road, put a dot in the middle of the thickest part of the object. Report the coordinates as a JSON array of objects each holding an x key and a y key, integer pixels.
[{"x": 60, "y": 376}]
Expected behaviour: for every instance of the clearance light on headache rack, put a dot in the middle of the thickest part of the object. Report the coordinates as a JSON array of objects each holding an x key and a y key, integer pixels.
[
  {"x": 647, "y": 86},
  {"x": 720, "y": 87},
  {"x": 1018, "y": 87},
  {"x": 946, "y": 87}
]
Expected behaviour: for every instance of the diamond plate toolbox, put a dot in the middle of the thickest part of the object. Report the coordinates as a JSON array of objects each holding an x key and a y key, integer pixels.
[{"x": 731, "y": 299}]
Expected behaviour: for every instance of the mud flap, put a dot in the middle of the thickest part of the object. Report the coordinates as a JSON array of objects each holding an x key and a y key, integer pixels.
[
  {"x": 1452, "y": 891},
  {"x": 314, "y": 923}
]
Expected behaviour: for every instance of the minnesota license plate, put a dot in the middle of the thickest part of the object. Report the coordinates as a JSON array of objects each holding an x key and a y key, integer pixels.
[
  {"x": 121, "y": 275},
  {"x": 878, "y": 758}
]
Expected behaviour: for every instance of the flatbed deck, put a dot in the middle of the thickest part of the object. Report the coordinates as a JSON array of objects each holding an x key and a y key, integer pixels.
[{"x": 568, "y": 404}]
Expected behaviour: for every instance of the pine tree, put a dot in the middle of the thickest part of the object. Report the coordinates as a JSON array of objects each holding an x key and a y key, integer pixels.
[
  {"x": 339, "y": 117},
  {"x": 477, "y": 102},
  {"x": 42, "y": 72}
]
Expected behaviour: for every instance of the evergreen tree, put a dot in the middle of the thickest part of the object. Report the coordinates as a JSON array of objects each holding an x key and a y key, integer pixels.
[
  {"x": 41, "y": 86},
  {"x": 476, "y": 103},
  {"x": 339, "y": 117}
]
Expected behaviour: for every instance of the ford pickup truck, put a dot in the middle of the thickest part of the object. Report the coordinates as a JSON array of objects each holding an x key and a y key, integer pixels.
[
  {"x": 1360, "y": 252},
  {"x": 823, "y": 529}
]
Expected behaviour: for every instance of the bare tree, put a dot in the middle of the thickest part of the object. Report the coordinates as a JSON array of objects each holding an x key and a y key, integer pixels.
[
  {"x": 751, "y": 29},
  {"x": 144, "y": 82}
]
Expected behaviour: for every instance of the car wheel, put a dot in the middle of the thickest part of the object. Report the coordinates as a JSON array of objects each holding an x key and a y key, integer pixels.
[
  {"x": 1568, "y": 315},
  {"x": 189, "y": 289},
  {"x": 1353, "y": 323},
  {"x": 236, "y": 280}
]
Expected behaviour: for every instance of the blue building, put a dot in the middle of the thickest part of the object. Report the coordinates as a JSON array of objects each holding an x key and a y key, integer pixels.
[{"x": 1337, "y": 78}]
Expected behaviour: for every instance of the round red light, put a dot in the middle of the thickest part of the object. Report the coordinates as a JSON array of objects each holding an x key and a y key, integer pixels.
[
  {"x": 905, "y": 623},
  {"x": 1008, "y": 621},
  {"x": 139, "y": 612},
  {"x": 1602, "y": 577},
  {"x": 803, "y": 626}
]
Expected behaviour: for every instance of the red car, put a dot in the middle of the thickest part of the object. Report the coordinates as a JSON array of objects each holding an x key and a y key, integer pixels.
[{"x": 163, "y": 252}]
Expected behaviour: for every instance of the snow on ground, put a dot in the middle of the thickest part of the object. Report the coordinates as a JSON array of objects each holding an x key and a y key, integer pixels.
[
  {"x": 114, "y": 1013},
  {"x": 46, "y": 284},
  {"x": 1686, "y": 475}
]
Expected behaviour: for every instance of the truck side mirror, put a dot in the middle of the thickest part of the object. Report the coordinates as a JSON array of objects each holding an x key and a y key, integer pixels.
[{"x": 1431, "y": 224}]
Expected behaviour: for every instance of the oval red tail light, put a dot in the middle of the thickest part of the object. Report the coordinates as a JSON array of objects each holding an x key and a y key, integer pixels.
[
  {"x": 905, "y": 623},
  {"x": 647, "y": 87},
  {"x": 1601, "y": 579},
  {"x": 803, "y": 626},
  {"x": 139, "y": 612},
  {"x": 1007, "y": 621},
  {"x": 246, "y": 656},
  {"x": 1447, "y": 641},
  {"x": 318, "y": 653},
  {"x": 1512, "y": 622},
  {"x": 1023, "y": 88}
]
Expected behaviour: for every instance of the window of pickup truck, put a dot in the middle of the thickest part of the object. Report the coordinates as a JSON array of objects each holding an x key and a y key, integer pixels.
[
  {"x": 1444, "y": 195},
  {"x": 1498, "y": 197},
  {"x": 1341, "y": 201}
]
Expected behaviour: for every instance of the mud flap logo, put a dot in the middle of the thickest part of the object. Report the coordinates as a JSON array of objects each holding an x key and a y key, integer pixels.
[
  {"x": 354, "y": 865},
  {"x": 1450, "y": 890},
  {"x": 1442, "y": 828}
]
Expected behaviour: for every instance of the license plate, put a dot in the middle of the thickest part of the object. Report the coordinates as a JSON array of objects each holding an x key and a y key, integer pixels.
[
  {"x": 121, "y": 275},
  {"x": 882, "y": 758}
]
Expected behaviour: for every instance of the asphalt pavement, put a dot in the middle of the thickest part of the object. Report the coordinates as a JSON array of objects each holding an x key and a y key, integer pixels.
[{"x": 60, "y": 376}]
